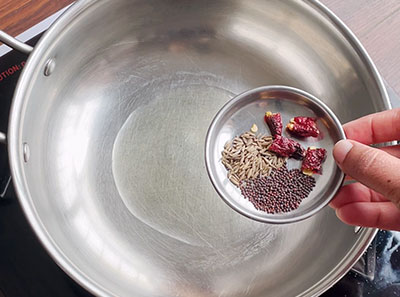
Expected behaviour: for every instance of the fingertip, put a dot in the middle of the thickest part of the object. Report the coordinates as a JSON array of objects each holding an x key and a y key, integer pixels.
[
  {"x": 383, "y": 215},
  {"x": 347, "y": 215},
  {"x": 339, "y": 214},
  {"x": 341, "y": 149}
]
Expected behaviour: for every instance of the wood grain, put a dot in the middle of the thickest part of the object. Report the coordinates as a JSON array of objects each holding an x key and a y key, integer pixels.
[
  {"x": 375, "y": 22},
  {"x": 18, "y": 15}
]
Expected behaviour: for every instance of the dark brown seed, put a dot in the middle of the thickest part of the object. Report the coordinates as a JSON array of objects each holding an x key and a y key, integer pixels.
[{"x": 282, "y": 191}]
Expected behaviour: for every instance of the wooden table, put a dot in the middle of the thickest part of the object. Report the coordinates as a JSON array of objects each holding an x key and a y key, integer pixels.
[{"x": 375, "y": 22}]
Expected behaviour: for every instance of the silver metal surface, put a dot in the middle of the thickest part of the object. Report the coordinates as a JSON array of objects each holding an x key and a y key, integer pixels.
[
  {"x": 4, "y": 189},
  {"x": 3, "y": 138},
  {"x": 237, "y": 116},
  {"x": 357, "y": 229},
  {"x": 116, "y": 187},
  {"x": 15, "y": 43},
  {"x": 49, "y": 67},
  {"x": 26, "y": 152}
]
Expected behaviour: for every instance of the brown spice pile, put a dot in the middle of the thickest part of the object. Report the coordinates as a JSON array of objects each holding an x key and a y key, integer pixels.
[
  {"x": 282, "y": 191},
  {"x": 247, "y": 157}
]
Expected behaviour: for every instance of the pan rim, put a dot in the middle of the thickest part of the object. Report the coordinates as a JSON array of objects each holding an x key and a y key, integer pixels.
[{"x": 365, "y": 236}]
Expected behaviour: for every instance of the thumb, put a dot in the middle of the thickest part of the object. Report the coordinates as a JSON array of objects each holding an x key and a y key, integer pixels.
[{"x": 372, "y": 167}]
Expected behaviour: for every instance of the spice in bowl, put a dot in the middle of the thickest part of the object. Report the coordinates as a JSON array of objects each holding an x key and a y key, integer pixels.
[
  {"x": 303, "y": 127},
  {"x": 247, "y": 157},
  {"x": 256, "y": 164},
  {"x": 312, "y": 163},
  {"x": 285, "y": 147},
  {"x": 283, "y": 191},
  {"x": 274, "y": 122}
]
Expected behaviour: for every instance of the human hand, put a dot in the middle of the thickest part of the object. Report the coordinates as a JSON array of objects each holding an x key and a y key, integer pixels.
[{"x": 374, "y": 201}]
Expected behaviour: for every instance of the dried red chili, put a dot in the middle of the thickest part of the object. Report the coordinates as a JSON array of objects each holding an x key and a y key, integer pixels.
[
  {"x": 286, "y": 147},
  {"x": 313, "y": 160},
  {"x": 303, "y": 127},
  {"x": 274, "y": 122}
]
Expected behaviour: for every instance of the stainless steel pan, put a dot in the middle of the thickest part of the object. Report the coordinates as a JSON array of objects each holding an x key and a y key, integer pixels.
[{"x": 107, "y": 133}]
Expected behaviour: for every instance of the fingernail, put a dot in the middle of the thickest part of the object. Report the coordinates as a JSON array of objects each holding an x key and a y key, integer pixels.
[
  {"x": 341, "y": 150},
  {"x": 337, "y": 211}
]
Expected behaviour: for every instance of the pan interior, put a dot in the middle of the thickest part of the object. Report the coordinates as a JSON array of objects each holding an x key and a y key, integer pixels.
[{"x": 116, "y": 133}]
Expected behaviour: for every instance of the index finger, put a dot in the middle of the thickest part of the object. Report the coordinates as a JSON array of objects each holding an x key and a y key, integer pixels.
[
  {"x": 375, "y": 128},
  {"x": 383, "y": 215}
]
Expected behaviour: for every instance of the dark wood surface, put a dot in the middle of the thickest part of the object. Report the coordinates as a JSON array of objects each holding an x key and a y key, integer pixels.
[
  {"x": 18, "y": 15},
  {"x": 375, "y": 22}
]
